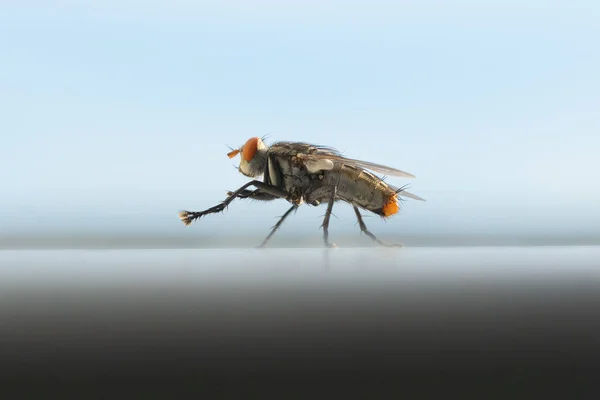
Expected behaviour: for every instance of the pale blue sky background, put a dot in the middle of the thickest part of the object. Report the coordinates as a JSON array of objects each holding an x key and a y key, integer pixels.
[{"x": 116, "y": 114}]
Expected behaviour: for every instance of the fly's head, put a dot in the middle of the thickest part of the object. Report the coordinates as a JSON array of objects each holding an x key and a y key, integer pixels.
[{"x": 253, "y": 158}]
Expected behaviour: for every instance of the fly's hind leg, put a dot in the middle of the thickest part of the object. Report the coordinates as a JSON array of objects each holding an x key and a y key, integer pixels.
[
  {"x": 278, "y": 224},
  {"x": 187, "y": 217},
  {"x": 363, "y": 228}
]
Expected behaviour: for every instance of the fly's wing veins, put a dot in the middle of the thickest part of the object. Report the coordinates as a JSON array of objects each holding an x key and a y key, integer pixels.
[{"x": 325, "y": 161}]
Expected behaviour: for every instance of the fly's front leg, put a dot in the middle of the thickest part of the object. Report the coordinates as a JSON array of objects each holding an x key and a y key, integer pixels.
[
  {"x": 363, "y": 228},
  {"x": 187, "y": 217},
  {"x": 243, "y": 194},
  {"x": 255, "y": 195},
  {"x": 278, "y": 224}
]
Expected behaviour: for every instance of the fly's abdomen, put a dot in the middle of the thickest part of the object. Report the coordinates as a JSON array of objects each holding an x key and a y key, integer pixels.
[{"x": 365, "y": 190}]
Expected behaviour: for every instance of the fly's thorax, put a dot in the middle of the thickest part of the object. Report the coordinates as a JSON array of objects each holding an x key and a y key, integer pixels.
[
  {"x": 290, "y": 175},
  {"x": 364, "y": 189}
]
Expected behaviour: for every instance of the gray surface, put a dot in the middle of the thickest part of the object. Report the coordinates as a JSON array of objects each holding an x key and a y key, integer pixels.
[{"x": 350, "y": 265}]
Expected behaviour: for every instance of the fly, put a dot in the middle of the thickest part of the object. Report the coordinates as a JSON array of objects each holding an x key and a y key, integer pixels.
[{"x": 306, "y": 173}]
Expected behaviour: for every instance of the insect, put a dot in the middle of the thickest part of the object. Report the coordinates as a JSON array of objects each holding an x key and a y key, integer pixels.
[{"x": 306, "y": 173}]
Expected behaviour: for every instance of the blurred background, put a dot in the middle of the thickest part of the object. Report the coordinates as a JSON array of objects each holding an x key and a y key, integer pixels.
[{"x": 117, "y": 114}]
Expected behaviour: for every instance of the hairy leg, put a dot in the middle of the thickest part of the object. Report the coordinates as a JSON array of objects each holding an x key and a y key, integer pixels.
[
  {"x": 278, "y": 224},
  {"x": 254, "y": 195},
  {"x": 187, "y": 217},
  {"x": 325, "y": 224},
  {"x": 364, "y": 229}
]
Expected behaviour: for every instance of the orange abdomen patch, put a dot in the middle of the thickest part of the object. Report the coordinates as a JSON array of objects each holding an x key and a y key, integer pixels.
[{"x": 391, "y": 207}]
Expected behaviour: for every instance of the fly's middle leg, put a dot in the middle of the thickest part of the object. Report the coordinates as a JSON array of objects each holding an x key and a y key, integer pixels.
[
  {"x": 187, "y": 217},
  {"x": 278, "y": 224},
  {"x": 363, "y": 228}
]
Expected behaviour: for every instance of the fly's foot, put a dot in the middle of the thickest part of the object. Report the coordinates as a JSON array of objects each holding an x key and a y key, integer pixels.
[{"x": 185, "y": 217}]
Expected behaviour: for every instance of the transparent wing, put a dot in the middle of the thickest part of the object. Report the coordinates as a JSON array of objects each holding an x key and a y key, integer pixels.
[
  {"x": 315, "y": 154},
  {"x": 404, "y": 193},
  {"x": 357, "y": 163}
]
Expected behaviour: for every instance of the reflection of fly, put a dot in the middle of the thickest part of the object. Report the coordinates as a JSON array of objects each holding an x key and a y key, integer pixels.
[{"x": 305, "y": 173}]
